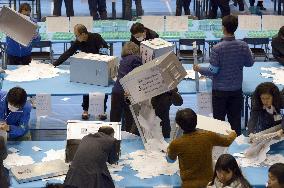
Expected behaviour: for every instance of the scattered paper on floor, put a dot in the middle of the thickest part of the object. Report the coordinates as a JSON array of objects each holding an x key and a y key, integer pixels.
[
  {"x": 15, "y": 159},
  {"x": 276, "y": 73},
  {"x": 54, "y": 154}
]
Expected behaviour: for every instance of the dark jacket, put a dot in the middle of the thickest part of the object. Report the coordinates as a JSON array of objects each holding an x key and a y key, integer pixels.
[
  {"x": 150, "y": 34},
  {"x": 92, "y": 45},
  {"x": 278, "y": 49},
  {"x": 126, "y": 65},
  {"x": 88, "y": 168},
  {"x": 18, "y": 50},
  {"x": 18, "y": 121},
  {"x": 3, "y": 154}
]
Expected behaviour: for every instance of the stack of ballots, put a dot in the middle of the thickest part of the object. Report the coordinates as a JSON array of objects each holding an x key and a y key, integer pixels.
[
  {"x": 151, "y": 49},
  {"x": 94, "y": 69},
  {"x": 153, "y": 78}
]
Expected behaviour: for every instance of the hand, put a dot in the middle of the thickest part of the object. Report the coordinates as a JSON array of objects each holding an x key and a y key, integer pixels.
[
  {"x": 231, "y": 132},
  {"x": 196, "y": 67},
  {"x": 280, "y": 133},
  {"x": 4, "y": 127},
  {"x": 126, "y": 94}
]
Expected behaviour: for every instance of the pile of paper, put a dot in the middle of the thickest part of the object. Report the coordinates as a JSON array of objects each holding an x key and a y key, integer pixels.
[
  {"x": 34, "y": 71},
  {"x": 276, "y": 74},
  {"x": 15, "y": 159},
  {"x": 54, "y": 154}
]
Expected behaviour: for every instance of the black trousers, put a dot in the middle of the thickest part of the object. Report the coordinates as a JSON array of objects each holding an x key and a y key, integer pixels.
[
  {"x": 128, "y": 6},
  {"x": 120, "y": 112},
  {"x": 182, "y": 3},
  {"x": 68, "y": 5},
  {"x": 222, "y": 4},
  {"x": 228, "y": 103},
  {"x": 162, "y": 104},
  {"x": 85, "y": 103},
  {"x": 14, "y": 60},
  {"x": 98, "y": 9},
  {"x": 241, "y": 5}
]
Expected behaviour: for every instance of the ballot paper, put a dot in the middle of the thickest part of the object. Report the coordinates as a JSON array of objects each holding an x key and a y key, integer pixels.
[
  {"x": 34, "y": 71},
  {"x": 96, "y": 103},
  {"x": 78, "y": 129},
  {"x": 276, "y": 73},
  {"x": 57, "y": 24},
  {"x": 35, "y": 148},
  {"x": 43, "y": 104},
  {"x": 191, "y": 74},
  {"x": 213, "y": 125},
  {"x": 13, "y": 150},
  {"x": 17, "y": 26},
  {"x": 53, "y": 155},
  {"x": 15, "y": 159}
]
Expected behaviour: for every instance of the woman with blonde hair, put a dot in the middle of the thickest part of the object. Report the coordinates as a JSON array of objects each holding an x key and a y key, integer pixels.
[{"x": 130, "y": 59}]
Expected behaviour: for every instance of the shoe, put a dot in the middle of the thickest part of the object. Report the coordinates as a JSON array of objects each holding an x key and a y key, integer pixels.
[
  {"x": 102, "y": 117},
  {"x": 85, "y": 115}
]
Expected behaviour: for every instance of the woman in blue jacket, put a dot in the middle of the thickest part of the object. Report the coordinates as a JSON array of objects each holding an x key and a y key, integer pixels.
[
  {"x": 18, "y": 54},
  {"x": 15, "y": 114}
]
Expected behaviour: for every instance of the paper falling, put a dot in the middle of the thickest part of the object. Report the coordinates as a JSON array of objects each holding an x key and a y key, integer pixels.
[
  {"x": 240, "y": 140},
  {"x": 13, "y": 150},
  {"x": 15, "y": 159},
  {"x": 54, "y": 154},
  {"x": 275, "y": 73},
  {"x": 34, "y": 71},
  {"x": 35, "y": 148}
]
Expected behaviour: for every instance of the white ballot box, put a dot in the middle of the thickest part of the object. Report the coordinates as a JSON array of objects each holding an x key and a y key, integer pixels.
[
  {"x": 151, "y": 49},
  {"x": 17, "y": 26},
  {"x": 94, "y": 69},
  {"x": 153, "y": 78}
]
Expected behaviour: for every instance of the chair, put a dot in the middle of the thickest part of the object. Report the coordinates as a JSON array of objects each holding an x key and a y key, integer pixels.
[
  {"x": 42, "y": 55},
  {"x": 257, "y": 51},
  {"x": 185, "y": 49}
]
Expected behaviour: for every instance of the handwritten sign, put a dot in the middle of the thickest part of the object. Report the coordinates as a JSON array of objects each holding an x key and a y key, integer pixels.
[
  {"x": 96, "y": 103},
  {"x": 204, "y": 103},
  {"x": 43, "y": 104}
]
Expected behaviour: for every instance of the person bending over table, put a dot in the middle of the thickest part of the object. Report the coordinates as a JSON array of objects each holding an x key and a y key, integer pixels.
[
  {"x": 89, "y": 168},
  {"x": 15, "y": 114},
  {"x": 227, "y": 173},
  {"x": 265, "y": 109},
  {"x": 276, "y": 176},
  {"x": 227, "y": 60},
  {"x": 89, "y": 43},
  {"x": 4, "y": 174},
  {"x": 278, "y": 46},
  {"x": 130, "y": 59},
  {"x": 18, "y": 54},
  {"x": 194, "y": 150}
]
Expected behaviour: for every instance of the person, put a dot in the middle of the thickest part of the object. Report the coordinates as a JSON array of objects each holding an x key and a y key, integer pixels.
[
  {"x": 130, "y": 59},
  {"x": 68, "y": 5},
  {"x": 275, "y": 176},
  {"x": 194, "y": 150},
  {"x": 266, "y": 105},
  {"x": 88, "y": 168},
  {"x": 15, "y": 114},
  {"x": 223, "y": 5},
  {"x": 89, "y": 43},
  {"x": 259, "y": 4},
  {"x": 18, "y": 54},
  {"x": 182, "y": 3},
  {"x": 227, "y": 173},
  {"x": 128, "y": 9},
  {"x": 4, "y": 175},
  {"x": 278, "y": 46},
  {"x": 140, "y": 33},
  {"x": 98, "y": 6},
  {"x": 227, "y": 60}
]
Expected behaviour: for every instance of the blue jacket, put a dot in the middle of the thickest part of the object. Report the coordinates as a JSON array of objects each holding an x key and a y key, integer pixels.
[
  {"x": 18, "y": 121},
  {"x": 18, "y": 50},
  {"x": 227, "y": 60},
  {"x": 126, "y": 65}
]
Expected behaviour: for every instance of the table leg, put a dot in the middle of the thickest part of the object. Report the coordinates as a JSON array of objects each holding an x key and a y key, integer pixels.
[{"x": 111, "y": 49}]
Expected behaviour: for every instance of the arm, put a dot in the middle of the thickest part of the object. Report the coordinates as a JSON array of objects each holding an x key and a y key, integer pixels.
[
  {"x": 171, "y": 153},
  {"x": 222, "y": 140},
  {"x": 22, "y": 126},
  {"x": 67, "y": 54},
  {"x": 214, "y": 66},
  {"x": 115, "y": 151},
  {"x": 252, "y": 122},
  {"x": 102, "y": 42},
  {"x": 249, "y": 61}
]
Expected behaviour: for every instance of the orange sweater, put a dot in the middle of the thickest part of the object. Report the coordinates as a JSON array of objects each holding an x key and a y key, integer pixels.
[{"x": 194, "y": 152}]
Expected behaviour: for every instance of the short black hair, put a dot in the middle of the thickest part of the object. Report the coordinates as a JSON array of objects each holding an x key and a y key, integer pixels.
[
  {"x": 107, "y": 130},
  {"x": 17, "y": 97},
  {"x": 81, "y": 29},
  {"x": 137, "y": 28},
  {"x": 230, "y": 23},
  {"x": 25, "y": 6},
  {"x": 277, "y": 170},
  {"x": 187, "y": 120}
]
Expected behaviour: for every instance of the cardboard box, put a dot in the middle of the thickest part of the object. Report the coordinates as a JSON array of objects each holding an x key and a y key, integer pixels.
[
  {"x": 153, "y": 78},
  {"x": 152, "y": 49},
  {"x": 94, "y": 69},
  {"x": 17, "y": 26}
]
